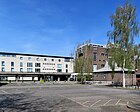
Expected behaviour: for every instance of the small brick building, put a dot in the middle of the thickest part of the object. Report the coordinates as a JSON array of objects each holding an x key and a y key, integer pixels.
[{"x": 105, "y": 74}]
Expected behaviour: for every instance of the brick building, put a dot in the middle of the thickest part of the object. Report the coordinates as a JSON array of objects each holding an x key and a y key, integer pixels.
[
  {"x": 105, "y": 74},
  {"x": 98, "y": 54}
]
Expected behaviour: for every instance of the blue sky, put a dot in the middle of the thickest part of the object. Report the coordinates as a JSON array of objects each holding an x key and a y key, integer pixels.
[{"x": 55, "y": 27}]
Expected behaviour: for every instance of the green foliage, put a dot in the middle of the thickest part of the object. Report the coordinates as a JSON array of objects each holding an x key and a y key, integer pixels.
[
  {"x": 137, "y": 56},
  {"x": 88, "y": 77},
  {"x": 41, "y": 81},
  {"x": 78, "y": 77},
  {"x": 84, "y": 61},
  {"x": 121, "y": 39}
]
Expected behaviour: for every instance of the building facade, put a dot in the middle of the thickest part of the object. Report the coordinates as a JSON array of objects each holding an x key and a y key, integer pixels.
[
  {"x": 98, "y": 54},
  {"x": 105, "y": 74},
  {"x": 33, "y": 67}
]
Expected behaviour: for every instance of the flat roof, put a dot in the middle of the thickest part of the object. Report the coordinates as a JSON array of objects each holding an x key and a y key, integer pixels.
[
  {"x": 31, "y": 73},
  {"x": 39, "y": 55},
  {"x": 94, "y": 45}
]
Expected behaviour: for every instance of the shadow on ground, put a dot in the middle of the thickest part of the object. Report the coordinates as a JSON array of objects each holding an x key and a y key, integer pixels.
[
  {"x": 2, "y": 84},
  {"x": 31, "y": 103}
]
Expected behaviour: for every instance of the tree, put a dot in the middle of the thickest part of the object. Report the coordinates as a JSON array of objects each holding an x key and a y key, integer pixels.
[
  {"x": 137, "y": 56},
  {"x": 84, "y": 61},
  {"x": 111, "y": 61},
  {"x": 121, "y": 38}
]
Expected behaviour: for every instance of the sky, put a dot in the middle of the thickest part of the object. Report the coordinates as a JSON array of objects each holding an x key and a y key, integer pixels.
[{"x": 55, "y": 27}]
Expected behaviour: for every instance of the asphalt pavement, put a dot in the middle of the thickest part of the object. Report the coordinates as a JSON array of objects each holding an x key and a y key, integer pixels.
[{"x": 67, "y": 98}]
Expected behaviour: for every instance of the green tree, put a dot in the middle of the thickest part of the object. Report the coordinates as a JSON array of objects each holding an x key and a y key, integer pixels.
[
  {"x": 121, "y": 38},
  {"x": 88, "y": 77},
  {"x": 84, "y": 61},
  {"x": 137, "y": 56}
]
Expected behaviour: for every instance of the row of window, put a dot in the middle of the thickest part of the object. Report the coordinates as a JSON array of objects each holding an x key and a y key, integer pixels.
[
  {"x": 95, "y": 58},
  {"x": 3, "y": 69},
  {"x": 30, "y": 64},
  {"x": 7, "y": 55},
  {"x": 45, "y": 59},
  {"x": 103, "y": 60},
  {"x": 30, "y": 58},
  {"x": 48, "y": 69},
  {"x": 48, "y": 63},
  {"x": 3, "y": 63},
  {"x": 21, "y": 64},
  {"x": 102, "y": 54},
  {"x": 31, "y": 70}
]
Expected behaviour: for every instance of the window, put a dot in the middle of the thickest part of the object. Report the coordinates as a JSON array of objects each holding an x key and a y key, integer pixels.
[
  {"x": 29, "y": 64},
  {"x": 59, "y": 60},
  {"x": 37, "y": 64},
  {"x": 3, "y": 63},
  {"x": 37, "y": 70},
  {"x": 137, "y": 76},
  {"x": 95, "y": 48},
  {"x": 102, "y": 65},
  {"x": 29, "y": 70},
  {"x": 21, "y": 69},
  {"x": 94, "y": 56},
  {"x": 12, "y": 63},
  {"x": 12, "y": 69},
  {"x": 94, "y": 67},
  {"x": 37, "y": 59},
  {"x": 59, "y": 65},
  {"x": 44, "y": 63},
  {"x": 102, "y": 54},
  {"x": 106, "y": 54},
  {"x": 13, "y": 55},
  {"x": 3, "y": 69},
  {"x": 59, "y": 70},
  {"x": 29, "y": 58},
  {"x": 21, "y": 58},
  {"x": 52, "y": 59},
  {"x": 45, "y": 59},
  {"x": 66, "y": 70},
  {"x": 21, "y": 64},
  {"x": 66, "y": 65},
  {"x": 67, "y": 60}
]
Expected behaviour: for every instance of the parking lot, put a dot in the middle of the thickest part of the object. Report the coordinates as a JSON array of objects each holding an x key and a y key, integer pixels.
[{"x": 65, "y": 98}]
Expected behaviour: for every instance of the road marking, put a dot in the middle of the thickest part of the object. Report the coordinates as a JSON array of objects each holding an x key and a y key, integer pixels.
[
  {"x": 4, "y": 91},
  {"x": 118, "y": 102},
  {"x": 107, "y": 102},
  {"x": 85, "y": 102},
  {"x": 95, "y": 103},
  {"x": 73, "y": 101}
]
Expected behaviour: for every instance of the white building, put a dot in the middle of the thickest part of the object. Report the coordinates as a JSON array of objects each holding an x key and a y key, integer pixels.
[{"x": 17, "y": 66}]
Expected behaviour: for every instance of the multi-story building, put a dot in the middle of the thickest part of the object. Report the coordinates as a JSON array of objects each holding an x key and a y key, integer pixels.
[
  {"x": 17, "y": 66},
  {"x": 98, "y": 54}
]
